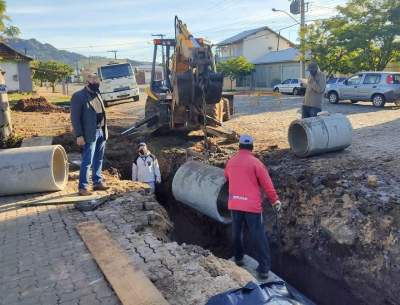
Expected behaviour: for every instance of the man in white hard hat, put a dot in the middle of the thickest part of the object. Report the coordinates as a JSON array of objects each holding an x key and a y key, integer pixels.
[
  {"x": 88, "y": 117},
  {"x": 246, "y": 175}
]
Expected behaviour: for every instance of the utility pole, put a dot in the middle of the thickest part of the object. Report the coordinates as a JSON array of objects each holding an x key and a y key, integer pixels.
[
  {"x": 162, "y": 54},
  {"x": 302, "y": 29},
  {"x": 115, "y": 53}
]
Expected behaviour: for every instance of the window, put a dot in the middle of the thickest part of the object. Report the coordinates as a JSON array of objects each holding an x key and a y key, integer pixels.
[
  {"x": 295, "y": 81},
  {"x": 372, "y": 79},
  {"x": 116, "y": 71},
  {"x": 286, "y": 82},
  {"x": 331, "y": 81},
  {"x": 354, "y": 80},
  {"x": 341, "y": 79},
  {"x": 396, "y": 79}
]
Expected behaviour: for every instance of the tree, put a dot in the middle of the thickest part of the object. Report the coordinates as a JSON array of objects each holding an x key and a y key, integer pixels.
[
  {"x": 6, "y": 30},
  {"x": 235, "y": 68},
  {"x": 363, "y": 36},
  {"x": 50, "y": 71}
]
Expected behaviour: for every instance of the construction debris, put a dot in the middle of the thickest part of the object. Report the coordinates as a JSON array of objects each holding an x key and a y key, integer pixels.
[{"x": 39, "y": 104}]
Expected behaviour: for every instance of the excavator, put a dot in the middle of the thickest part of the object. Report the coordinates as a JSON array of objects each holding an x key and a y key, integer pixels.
[{"x": 188, "y": 95}]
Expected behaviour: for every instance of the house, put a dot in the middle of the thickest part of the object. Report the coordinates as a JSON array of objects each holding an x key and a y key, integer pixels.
[
  {"x": 274, "y": 67},
  {"x": 252, "y": 44},
  {"x": 16, "y": 66},
  {"x": 143, "y": 73}
]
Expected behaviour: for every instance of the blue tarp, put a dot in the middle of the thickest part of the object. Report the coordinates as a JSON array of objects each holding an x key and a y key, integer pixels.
[{"x": 271, "y": 293}]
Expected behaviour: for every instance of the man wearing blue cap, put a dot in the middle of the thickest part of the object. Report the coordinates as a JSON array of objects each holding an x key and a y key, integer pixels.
[{"x": 246, "y": 175}]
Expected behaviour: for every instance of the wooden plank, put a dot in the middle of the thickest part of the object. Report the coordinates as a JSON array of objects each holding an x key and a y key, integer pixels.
[{"x": 129, "y": 283}]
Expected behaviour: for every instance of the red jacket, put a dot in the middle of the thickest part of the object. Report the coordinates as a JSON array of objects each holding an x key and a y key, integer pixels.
[{"x": 246, "y": 175}]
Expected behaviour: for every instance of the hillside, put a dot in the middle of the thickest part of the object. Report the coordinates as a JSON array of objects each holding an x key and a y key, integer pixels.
[{"x": 45, "y": 51}]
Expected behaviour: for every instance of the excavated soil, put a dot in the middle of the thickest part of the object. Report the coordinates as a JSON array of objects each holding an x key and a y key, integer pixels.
[
  {"x": 39, "y": 104},
  {"x": 340, "y": 226}
]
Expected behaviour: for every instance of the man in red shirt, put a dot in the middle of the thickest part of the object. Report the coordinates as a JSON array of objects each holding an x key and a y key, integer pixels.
[{"x": 246, "y": 175}]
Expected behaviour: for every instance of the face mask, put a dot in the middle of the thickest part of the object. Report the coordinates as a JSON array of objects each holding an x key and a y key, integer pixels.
[{"x": 94, "y": 87}]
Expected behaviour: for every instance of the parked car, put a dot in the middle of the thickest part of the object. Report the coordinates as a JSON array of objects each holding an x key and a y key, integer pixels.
[
  {"x": 377, "y": 87},
  {"x": 295, "y": 86}
]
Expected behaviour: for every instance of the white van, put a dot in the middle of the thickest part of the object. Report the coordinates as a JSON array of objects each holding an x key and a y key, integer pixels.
[{"x": 118, "y": 82}]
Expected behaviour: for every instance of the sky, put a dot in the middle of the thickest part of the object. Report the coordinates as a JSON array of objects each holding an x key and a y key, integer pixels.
[{"x": 94, "y": 27}]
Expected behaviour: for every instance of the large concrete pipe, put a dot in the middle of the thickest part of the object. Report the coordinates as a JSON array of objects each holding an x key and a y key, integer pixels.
[
  {"x": 204, "y": 188},
  {"x": 321, "y": 134},
  {"x": 33, "y": 169}
]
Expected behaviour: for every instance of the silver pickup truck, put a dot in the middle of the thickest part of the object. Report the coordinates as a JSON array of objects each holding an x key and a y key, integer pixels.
[{"x": 377, "y": 87}]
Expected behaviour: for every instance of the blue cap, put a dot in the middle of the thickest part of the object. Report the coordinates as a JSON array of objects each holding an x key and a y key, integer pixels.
[{"x": 245, "y": 139}]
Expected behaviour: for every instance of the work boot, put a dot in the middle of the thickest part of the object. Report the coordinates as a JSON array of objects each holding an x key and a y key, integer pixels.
[
  {"x": 100, "y": 187},
  {"x": 84, "y": 192},
  {"x": 263, "y": 275},
  {"x": 239, "y": 262}
]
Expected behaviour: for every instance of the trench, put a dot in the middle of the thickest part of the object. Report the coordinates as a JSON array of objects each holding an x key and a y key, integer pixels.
[{"x": 191, "y": 227}]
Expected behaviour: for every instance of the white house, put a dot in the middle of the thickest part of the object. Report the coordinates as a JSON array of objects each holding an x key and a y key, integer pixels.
[
  {"x": 252, "y": 44},
  {"x": 16, "y": 66}
]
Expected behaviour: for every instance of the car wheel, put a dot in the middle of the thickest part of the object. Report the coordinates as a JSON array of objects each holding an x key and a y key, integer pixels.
[
  {"x": 333, "y": 97},
  {"x": 353, "y": 101},
  {"x": 378, "y": 100},
  {"x": 296, "y": 91},
  {"x": 276, "y": 90}
]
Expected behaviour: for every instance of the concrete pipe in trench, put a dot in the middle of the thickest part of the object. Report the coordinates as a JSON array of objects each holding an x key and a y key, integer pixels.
[
  {"x": 321, "y": 134},
  {"x": 33, "y": 169},
  {"x": 204, "y": 188}
]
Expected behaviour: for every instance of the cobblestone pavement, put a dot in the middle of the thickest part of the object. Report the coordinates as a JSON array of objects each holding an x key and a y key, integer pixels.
[{"x": 44, "y": 261}]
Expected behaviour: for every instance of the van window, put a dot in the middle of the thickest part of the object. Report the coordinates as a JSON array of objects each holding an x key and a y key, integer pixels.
[
  {"x": 372, "y": 79},
  {"x": 354, "y": 80},
  {"x": 116, "y": 71},
  {"x": 286, "y": 82},
  {"x": 396, "y": 79},
  {"x": 295, "y": 81}
]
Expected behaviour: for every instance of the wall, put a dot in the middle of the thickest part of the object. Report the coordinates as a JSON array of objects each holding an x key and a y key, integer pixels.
[
  {"x": 11, "y": 76},
  {"x": 261, "y": 43},
  {"x": 267, "y": 75},
  {"x": 25, "y": 77}
]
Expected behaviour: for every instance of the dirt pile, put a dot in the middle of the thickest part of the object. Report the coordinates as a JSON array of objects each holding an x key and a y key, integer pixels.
[
  {"x": 339, "y": 223},
  {"x": 39, "y": 104}
]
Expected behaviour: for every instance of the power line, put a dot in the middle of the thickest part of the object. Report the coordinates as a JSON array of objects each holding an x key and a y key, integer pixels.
[{"x": 115, "y": 53}]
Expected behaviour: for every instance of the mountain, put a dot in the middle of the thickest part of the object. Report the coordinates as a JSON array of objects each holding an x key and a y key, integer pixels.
[{"x": 45, "y": 51}]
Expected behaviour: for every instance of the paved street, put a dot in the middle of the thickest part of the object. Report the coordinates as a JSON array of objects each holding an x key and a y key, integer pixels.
[{"x": 44, "y": 261}]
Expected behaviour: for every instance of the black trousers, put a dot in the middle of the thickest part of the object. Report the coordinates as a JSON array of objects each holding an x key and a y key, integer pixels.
[
  {"x": 258, "y": 236},
  {"x": 308, "y": 111}
]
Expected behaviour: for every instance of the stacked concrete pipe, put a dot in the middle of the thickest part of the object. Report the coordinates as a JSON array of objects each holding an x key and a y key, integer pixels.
[
  {"x": 321, "y": 134},
  {"x": 33, "y": 169}
]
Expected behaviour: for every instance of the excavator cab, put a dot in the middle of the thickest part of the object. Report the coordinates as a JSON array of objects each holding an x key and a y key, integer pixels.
[{"x": 188, "y": 92}]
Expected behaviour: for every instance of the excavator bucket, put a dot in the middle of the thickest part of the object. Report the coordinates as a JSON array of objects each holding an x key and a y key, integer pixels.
[{"x": 188, "y": 93}]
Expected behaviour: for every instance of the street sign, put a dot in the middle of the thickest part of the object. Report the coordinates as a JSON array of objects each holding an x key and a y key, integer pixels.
[
  {"x": 3, "y": 88},
  {"x": 295, "y": 7}
]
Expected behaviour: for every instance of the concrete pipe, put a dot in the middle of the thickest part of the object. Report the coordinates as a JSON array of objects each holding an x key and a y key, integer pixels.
[
  {"x": 204, "y": 188},
  {"x": 321, "y": 134},
  {"x": 33, "y": 169}
]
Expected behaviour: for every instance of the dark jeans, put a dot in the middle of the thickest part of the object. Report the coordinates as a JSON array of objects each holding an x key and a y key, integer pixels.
[
  {"x": 308, "y": 111},
  {"x": 92, "y": 156},
  {"x": 259, "y": 239}
]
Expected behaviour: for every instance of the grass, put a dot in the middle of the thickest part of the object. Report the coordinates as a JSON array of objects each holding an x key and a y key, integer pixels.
[{"x": 59, "y": 100}]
